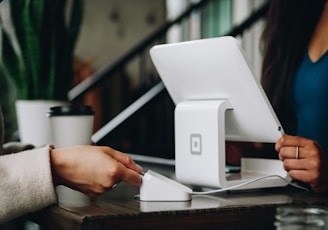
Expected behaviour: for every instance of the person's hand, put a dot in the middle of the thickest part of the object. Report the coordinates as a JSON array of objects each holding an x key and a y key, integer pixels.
[
  {"x": 92, "y": 169},
  {"x": 305, "y": 161}
]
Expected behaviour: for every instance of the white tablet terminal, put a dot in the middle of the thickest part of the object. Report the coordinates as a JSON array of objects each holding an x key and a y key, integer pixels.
[
  {"x": 217, "y": 99},
  {"x": 215, "y": 69}
]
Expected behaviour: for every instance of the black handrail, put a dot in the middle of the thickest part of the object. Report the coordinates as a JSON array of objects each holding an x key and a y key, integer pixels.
[{"x": 100, "y": 75}]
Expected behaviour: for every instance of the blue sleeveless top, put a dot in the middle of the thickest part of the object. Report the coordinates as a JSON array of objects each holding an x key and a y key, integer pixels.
[{"x": 310, "y": 99}]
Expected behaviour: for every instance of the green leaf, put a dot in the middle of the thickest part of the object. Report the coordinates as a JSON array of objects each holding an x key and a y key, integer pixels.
[
  {"x": 45, "y": 46},
  {"x": 12, "y": 61}
]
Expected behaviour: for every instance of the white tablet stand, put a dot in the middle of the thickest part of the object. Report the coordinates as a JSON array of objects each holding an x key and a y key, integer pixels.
[{"x": 200, "y": 149}]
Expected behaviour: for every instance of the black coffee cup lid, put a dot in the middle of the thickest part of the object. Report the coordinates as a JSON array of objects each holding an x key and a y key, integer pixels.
[{"x": 68, "y": 110}]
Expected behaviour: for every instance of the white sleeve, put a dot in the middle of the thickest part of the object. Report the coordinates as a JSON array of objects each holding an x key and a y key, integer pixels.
[{"x": 25, "y": 183}]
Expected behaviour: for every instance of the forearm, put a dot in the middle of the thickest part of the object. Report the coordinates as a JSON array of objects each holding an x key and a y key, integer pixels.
[{"x": 26, "y": 183}]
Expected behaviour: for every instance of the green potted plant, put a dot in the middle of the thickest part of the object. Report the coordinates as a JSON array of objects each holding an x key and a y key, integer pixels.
[{"x": 37, "y": 48}]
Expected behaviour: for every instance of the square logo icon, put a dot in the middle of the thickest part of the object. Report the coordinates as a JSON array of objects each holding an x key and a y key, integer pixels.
[{"x": 196, "y": 144}]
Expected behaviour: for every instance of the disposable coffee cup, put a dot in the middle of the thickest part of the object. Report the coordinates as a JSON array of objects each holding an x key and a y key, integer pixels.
[{"x": 71, "y": 126}]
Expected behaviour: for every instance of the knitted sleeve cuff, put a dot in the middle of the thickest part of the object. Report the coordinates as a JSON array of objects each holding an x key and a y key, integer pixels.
[{"x": 26, "y": 183}]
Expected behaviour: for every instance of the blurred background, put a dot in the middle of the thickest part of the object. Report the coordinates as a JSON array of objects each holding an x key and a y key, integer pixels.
[{"x": 113, "y": 71}]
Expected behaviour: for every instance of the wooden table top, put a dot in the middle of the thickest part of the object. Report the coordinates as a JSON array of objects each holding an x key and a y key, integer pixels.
[{"x": 120, "y": 209}]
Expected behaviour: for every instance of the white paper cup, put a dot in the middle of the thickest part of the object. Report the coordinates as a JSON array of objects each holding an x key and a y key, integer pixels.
[{"x": 71, "y": 126}]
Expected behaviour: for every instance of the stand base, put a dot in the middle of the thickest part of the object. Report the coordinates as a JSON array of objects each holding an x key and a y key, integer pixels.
[
  {"x": 254, "y": 168},
  {"x": 200, "y": 150}
]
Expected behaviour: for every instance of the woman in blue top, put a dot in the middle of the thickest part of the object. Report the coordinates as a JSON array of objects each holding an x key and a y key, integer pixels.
[{"x": 295, "y": 78}]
